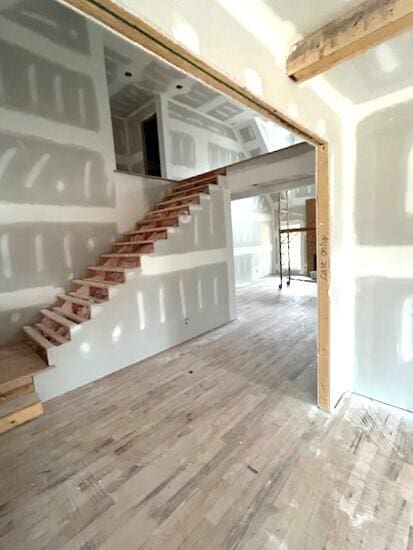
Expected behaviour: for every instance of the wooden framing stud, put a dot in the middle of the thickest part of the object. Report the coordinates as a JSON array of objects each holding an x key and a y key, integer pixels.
[{"x": 364, "y": 26}]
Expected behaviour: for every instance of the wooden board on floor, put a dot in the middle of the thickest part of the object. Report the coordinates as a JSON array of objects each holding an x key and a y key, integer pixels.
[
  {"x": 18, "y": 411},
  {"x": 18, "y": 361}
]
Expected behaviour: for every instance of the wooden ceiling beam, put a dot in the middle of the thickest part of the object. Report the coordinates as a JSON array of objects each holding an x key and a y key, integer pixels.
[{"x": 364, "y": 26}]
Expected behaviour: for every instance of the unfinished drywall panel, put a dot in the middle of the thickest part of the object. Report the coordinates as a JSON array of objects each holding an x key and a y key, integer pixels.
[
  {"x": 384, "y": 340},
  {"x": 195, "y": 142},
  {"x": 120, "y": 138},
  {"x": 384, "y": 233},
  {"x": 384, "y": 193},
  {"x": 253, "y": 236},
  {"x": 183, "y": 289}
]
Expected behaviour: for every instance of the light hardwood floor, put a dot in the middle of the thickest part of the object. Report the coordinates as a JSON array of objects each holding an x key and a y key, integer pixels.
[{"x": 215, "y": 444}]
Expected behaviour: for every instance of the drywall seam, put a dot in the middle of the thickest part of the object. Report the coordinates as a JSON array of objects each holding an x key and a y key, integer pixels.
[
  {"x": 27, "y": 297},
  {"x": 23, "y": 213},
  {"x": 177, "y": 262}
]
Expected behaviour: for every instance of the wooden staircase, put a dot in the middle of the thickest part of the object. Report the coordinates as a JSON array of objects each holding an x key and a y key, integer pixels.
[{"x": 57, "y": 323}]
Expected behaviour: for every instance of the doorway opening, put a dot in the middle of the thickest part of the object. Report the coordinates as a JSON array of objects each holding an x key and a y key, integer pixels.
[
  {"x": 150, "y": 143},
  {"x": 180, "y": 59}
]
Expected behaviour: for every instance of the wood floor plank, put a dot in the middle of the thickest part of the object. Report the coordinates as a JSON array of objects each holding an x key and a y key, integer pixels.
[{"x": 215, "y": 444}]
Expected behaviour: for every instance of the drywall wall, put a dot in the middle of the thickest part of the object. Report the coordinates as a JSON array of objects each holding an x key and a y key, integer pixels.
[
  {"x": 253, "y": 237},
  {"x": 56, "y": 156},
  {"x": 383, "y": 273},
  {"x": 182, "y": 290},
  {"x": 195, "y": 142},
  {"x": 61, "y": 204}
]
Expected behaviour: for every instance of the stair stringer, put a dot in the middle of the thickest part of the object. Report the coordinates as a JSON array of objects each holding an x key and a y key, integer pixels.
[{"x": 181, "y": 291}]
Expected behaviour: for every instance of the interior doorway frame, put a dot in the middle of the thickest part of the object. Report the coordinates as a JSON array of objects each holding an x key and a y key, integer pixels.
[
  {"x": 144, "y": 35},
  {"x": 144, "y": 146}
]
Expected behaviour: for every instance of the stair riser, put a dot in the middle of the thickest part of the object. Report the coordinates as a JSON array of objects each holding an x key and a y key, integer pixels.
[
  {"x": 133, "y": 248},
  {"x": 93, "y": 292},
  {"x": 202, "y": 189},
  {"x": 62, "y": 330},
  {"x": 20, "y": 417},
  {"x": 158, "y": 223},
  {"x": 14, "y": 389},
  {"x": 193, "y": 185},
  {"x": 77, "y": 309},
  {"x": 161, "y": 215},
  {"x": 110, "y": 277},
  {"x": 179, "y": 202}
]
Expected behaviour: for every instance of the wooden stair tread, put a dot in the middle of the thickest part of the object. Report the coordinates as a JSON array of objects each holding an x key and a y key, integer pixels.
[
  {"x": 122, "y": 255},
  {"x": 91, "y": 300},
  {"x": 206, "y": 175},
  {"x": 109, "y": 269},
  {"x": 35, "y": 335},
  {"x": 183, "y": 198},
  {"x": 195, "y": 188},
  {"x": 57, "y": 318},
  {"x": 74, "y": 300},
  {"x": 18, "y": 361},
  {"x": 70, "y": 315},
  {"x": 18, "y": 403},
  {"x": 19, "y": 410},
  {"x": 137, "y": 231},
  {"x": 97, "y": 284},
  {"x": 52, "y": 334},
  {"x": 193, "y": 184},
  {"x": 129, "y": 243},
  {"x": 168, "y": 209}
]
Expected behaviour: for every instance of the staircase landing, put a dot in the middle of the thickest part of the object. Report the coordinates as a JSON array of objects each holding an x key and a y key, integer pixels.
[{"x": 19, "y": 402}]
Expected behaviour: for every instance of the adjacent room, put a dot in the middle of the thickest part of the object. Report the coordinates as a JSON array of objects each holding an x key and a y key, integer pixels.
[{"x": 206, "y": 319}]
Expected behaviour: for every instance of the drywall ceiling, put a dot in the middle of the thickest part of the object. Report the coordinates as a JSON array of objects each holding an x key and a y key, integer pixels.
[
  {"x": 150, "y": 76},
  {"x": 284, "y": 169}
]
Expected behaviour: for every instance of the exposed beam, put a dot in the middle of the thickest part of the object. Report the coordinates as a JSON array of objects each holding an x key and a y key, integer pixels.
[{"x": 365, "y": 26}]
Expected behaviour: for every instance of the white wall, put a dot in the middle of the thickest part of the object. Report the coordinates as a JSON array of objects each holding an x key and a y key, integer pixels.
[
  {"x": 254, "y": 238},
  {"x": 380, "y": 272}
]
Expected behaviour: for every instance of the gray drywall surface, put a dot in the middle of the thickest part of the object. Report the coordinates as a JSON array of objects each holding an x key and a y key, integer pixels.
[
  {"x": 57, "y": 190},
  {"x": 62, "y": 204},
  {"x": 194, "y": 142},
  {"x": 254, "y": 238},
  {"x": 384, "y": 228},
  {"x": 182, "y": 290}
]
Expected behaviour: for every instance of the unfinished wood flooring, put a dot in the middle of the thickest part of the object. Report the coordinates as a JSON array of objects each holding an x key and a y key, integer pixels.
[{"x": 215, "y": 444}]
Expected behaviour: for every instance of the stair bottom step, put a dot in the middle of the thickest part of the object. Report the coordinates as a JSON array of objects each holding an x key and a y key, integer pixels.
[{"x": 16, "y": 412}]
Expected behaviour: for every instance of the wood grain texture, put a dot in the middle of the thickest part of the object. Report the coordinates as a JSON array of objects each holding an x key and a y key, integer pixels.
[
  {"x": 323, "y": 278},
  {"x": 363, "y": 27},
  {"x": 215, "y": 444}
]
